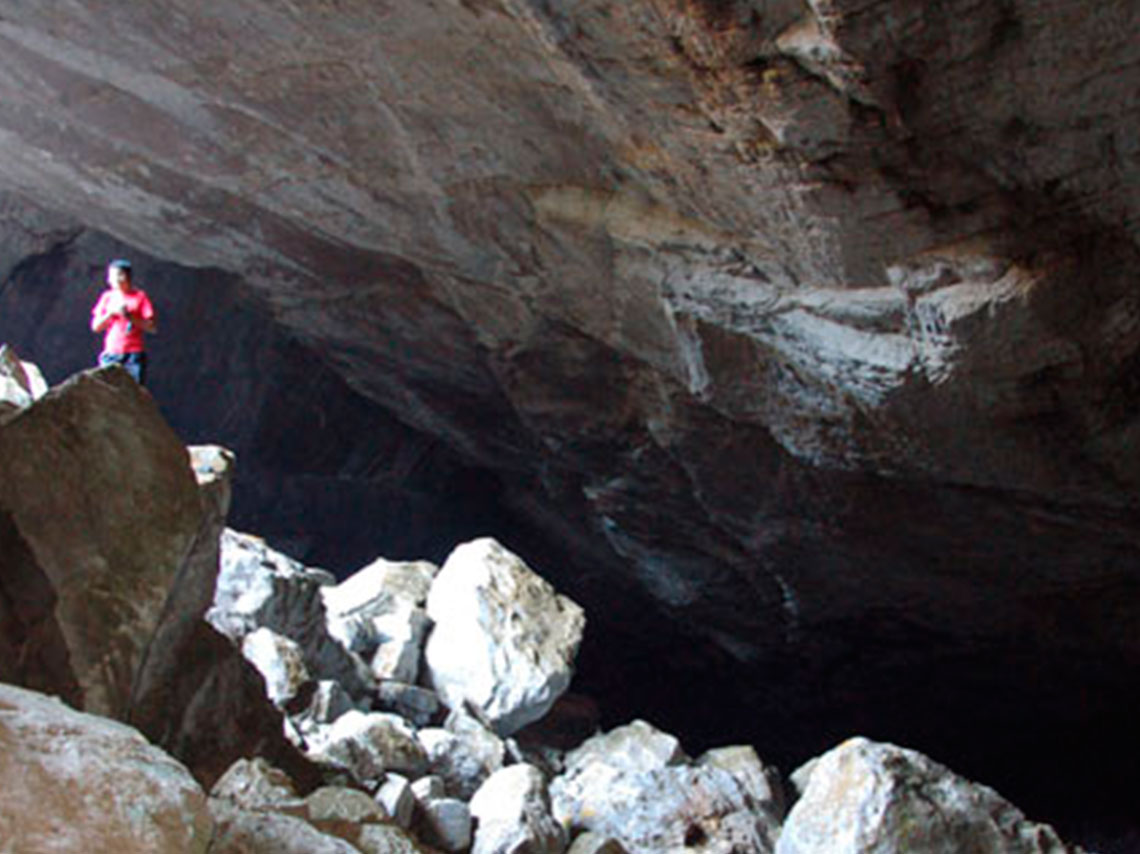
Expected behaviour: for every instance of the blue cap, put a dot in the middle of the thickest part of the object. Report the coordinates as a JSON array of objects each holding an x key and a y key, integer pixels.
[{"x": 121, "y": 263}]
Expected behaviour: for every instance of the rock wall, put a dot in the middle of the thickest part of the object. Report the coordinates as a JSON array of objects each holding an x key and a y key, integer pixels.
[{"x": 813, "y": 324}]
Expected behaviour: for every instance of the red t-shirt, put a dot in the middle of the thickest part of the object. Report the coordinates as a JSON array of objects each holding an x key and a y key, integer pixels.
[{"x": 117, "y": 338}]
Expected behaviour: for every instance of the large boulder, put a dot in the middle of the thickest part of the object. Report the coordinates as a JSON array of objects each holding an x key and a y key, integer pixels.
[
  {"x": 78, "y": 782},
  {"x": 635, "y": 785},
  {"x": 99, "y": 490},
  {"x": 865, "y": 797},
  {"x": 20, "y": 382},
  {"x": 504, "y": 640}
]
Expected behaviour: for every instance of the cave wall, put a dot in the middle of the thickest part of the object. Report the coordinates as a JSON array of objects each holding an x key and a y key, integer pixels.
[{"x": 815, "y": 324}]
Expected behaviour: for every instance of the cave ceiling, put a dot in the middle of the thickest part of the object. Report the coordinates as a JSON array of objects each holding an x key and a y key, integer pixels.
[{"x": 822, "y": 316}]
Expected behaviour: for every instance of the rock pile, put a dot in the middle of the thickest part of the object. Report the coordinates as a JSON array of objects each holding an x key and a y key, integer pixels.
[{"x": 403, "y": 691}]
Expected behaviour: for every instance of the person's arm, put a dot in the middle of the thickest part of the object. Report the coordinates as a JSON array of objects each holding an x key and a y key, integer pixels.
[
  {"x": 101, "y": 315},
  {"x": 145, "y": 317}
]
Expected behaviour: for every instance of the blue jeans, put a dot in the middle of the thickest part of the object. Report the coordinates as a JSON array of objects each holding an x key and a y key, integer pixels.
[{"x": 135, "y": 364}]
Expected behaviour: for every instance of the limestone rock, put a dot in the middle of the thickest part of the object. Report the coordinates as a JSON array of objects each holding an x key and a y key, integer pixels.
[
  {"x": 256, "y": 832},
  {"x": 875, "y": 798},
  {"x": 411, "y": 702},
  {"x": 595, "y": 843},
  {"x": 384, "y": 839},
  {"x": 504, "y": 640},
  {"x": 280, "y": 661},
  {"x": 332, "y": 804},
  {"x": 378, "y": 613},
  {"x": 369, "y": 744},
  {"x": 20, "y": 382},
  {"x": 261, "y": 588},
  {"x": 99, "y": 490},
  {"x": 512, "y": 812},
  {"x": 78, "y": 782},
  {"x": 326, "y": 702},
  {"x": 462, "y": 756},
  {"x": 395, "y": 795},
  {"x": 445, "y": 823},
  {"x": 254, "y": 784},
  {"x": 646, "y": 794}
]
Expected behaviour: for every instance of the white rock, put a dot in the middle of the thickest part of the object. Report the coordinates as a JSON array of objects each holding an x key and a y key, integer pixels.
[
  {"x": 369, "y": 744},
  {"x": 428, "y": 788},
  {"x": 512, "y": 813},
  {"x": 78, "y": 782},
  {"x": 869, "y": 798},
  {"x": 635, "y": 785},
  {"x": 395, "y": 795},
  {"x": 445, "y": 823},
  {"x": 262, "y": 588},
  {"x": 21, "y": 383},
  {"x": 762, "y": 782},
  {"x": 503, "y": 640},
  {"x": 399, "y": 643},
  {"x": 280, "y": 662},
  {"x": 328, "y": 702},
  {"x": 463, "y": 759}
]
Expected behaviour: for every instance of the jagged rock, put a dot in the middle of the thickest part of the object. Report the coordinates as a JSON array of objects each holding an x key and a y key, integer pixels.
[
  {"x": 504, "y": 640},
  {"x": 512, "y": 813},
  {"x": 635, "y": 785},
  {"x": 595, "y": 843},
  {"x": 445, "y": 823},
  {"x": 762, "y": 782},
  {"x": 340, "y": 804},
  {"x": 254, "y": 784},
  {"x": 428, "y": 788},
  {"x": 78, "y": 782},
  {"x": 280, "y": 661},
  {"x": 875, "y": 798},
  {"x": 326, "y": 702},
  {"x": 241, "y": 831},
  {"x": 369, "y": 744},
  {"x": 395, "y": 795},
  {"x": 195, "y": 695},
  {"x": 378, "y": 613},
  {"x": 99, "y": 490},
  {"x": 261, "y": 588},
  {"x": 384, "y": 839},
  {"x": 463, "y": 756},
  {"x": 411, "y": 702},
  {"x": 20, "y": 382}
]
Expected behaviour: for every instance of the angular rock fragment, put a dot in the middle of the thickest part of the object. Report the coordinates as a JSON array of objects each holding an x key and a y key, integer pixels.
[
  {"x": 865, "y": 797},
  {"x": 512, "y": 812},
  {"x": 504, "y": 640},
  {"x": 636, "y": 785},
  {"x": 369, "y": 744}
]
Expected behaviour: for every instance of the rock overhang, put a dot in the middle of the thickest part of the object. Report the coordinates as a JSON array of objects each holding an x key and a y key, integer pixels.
[{"x": 820, "y": 319}]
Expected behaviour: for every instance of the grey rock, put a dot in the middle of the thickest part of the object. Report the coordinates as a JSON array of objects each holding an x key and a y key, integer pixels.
[
  {"x": 462, "y": 759},
  {"x": 416, "y": 705},
  {"x": 280, "y": 661},
  {"x": 430, "y": 787},
  {"x": 254, "y": 784},
  {"x": 595, "y": 843},
  {"x": 241, "y": 831},
  {"x": 369, "y": 744},
  {"x": 445, "y": 823},
  {"x": 341, "y": 804}
]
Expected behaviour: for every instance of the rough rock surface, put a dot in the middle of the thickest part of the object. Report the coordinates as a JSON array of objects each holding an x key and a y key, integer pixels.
[
  {"x": 77, "y": 782},
  {"x": 512, "y": 813},
  {"x": 869, "y": 798},
  {"x": 634, "y": 784},
  {"x": 823, "y": 314},
  {"x": 100, "y": 492},
  {"x": 504, "y": 640}
]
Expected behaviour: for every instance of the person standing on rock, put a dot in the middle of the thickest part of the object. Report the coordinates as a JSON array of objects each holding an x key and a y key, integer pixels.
[{"x": 123, "y": 313}]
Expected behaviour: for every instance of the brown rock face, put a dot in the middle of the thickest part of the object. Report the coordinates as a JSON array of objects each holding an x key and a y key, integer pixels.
[{"x": 815, "y": 323}]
